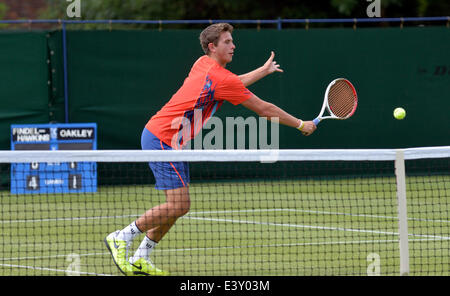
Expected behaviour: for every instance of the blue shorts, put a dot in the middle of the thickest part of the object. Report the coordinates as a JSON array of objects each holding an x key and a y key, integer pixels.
[{"x": 168, "y": 175}]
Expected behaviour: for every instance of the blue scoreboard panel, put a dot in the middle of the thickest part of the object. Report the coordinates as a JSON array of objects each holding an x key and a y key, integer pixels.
[{"x": 54, "y": 177}]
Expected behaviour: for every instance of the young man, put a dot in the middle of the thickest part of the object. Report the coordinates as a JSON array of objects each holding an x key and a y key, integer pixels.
[{"x": 205, "y": 89}]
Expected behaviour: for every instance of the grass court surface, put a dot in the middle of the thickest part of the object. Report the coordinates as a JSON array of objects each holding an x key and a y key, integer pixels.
[{"x": 290, "y": 227}]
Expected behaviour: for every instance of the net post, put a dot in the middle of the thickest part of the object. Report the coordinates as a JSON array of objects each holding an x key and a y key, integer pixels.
[{"x": 402, "y": 211}]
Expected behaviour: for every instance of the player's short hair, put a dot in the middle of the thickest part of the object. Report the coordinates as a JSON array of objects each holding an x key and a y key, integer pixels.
[{"x": 212, "y": 34}]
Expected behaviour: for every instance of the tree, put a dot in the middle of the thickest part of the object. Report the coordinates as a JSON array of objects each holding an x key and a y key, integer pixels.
[
  {"x": 243, "y": 9},
  {"x": 3, "y": 10}
]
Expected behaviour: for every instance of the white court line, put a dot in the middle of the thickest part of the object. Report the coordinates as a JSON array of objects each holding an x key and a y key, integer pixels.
[
  {"x": 67, "y": 219},
  {"x": 314, "y": 227},
  {"x": 317, "y": 212},
  {"x": 221, "y": 212},
  {"x": 55, "y": 256},
  {"x": 189, "y": 216},
  {"x": 230, "y": 247},
  {"x": 51, "y": 269}
]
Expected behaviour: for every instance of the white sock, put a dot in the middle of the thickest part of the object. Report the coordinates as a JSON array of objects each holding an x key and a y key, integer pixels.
[
  {"x": 145, "y": 249},
  {"x": 129, "y": 232}
]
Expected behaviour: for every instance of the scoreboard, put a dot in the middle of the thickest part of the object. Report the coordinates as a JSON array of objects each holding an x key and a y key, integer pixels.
[{"x": 54, "y": 177}]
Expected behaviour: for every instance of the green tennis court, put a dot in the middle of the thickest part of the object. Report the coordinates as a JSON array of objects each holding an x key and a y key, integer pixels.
[{"x": 289, "y": 227}]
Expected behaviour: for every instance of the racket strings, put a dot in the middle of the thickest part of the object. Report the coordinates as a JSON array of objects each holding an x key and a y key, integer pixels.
[{"x": 341, "y": 99}]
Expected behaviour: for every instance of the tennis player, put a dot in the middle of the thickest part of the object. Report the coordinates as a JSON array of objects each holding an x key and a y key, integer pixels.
[{"x": 207, "y": 86}]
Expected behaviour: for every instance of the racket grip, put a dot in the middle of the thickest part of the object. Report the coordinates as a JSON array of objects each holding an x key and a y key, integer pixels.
[{"x": 316, "y": 121}]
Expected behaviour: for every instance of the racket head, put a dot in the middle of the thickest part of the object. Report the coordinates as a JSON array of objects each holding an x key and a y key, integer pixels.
[{"x": 342, "y": 99}]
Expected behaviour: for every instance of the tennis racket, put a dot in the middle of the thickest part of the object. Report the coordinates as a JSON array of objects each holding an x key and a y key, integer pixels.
[{"x": 340, "y": 100}]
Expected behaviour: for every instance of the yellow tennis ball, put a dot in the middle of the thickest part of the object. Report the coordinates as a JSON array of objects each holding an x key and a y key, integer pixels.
[{"x": 399, "y": 113}]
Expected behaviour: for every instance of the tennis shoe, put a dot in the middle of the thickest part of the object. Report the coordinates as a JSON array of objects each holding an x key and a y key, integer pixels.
[
  {"x": 119, "y": 251},
  {"x": 145, "y": 267}
]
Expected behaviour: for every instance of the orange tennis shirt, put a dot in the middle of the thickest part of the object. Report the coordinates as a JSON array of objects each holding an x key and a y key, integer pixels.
[{"x": 202, "y": 93}]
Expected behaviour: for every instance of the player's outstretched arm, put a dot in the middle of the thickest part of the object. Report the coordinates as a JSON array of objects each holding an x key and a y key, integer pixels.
[
  {"x": 271, "y": 111},
  {"x": 269, "y": 67}
]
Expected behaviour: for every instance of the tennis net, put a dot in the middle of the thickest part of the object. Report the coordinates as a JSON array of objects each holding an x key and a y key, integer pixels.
[{"x": 253, "y": 212}]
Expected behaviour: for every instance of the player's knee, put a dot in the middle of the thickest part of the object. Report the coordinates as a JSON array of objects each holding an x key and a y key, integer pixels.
[
  {"x": 180, "y": 208},
  {"x": 184, "y": 208},
  {"x": 179, "y": 202}
]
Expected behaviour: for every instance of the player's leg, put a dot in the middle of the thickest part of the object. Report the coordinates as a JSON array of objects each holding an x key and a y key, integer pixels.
[
  {"x": 173, "y": 178},
  {"x": 157, "y": 233},
  {"x": 156, "y": 222}
]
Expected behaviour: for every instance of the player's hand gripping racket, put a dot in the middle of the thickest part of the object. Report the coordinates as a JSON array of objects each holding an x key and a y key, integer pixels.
[{"x": 340, "y": 100}]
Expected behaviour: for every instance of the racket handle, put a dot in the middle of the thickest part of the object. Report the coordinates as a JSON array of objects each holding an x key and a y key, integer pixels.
[{"x": 316, "y": 121}]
